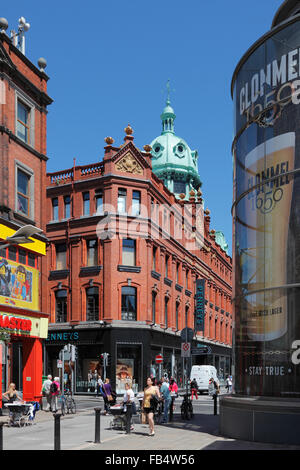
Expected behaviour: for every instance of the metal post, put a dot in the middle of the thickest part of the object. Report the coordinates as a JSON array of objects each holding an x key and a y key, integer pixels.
[
  {"x": 1, "y": 435},
  {"x": 128, "y": 417},
  {"x": 97, "y": 425},
  {"x": 215, "y": 404},
  {"x": 171, "y": 409},
  {"x": 56, "y": 430}
]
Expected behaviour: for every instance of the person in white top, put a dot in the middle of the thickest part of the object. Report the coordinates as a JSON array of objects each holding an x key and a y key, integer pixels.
[{"x": 129, "y": 398}]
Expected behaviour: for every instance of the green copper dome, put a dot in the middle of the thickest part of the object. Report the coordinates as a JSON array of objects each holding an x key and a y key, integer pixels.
[{"x": 172, "y": 159}]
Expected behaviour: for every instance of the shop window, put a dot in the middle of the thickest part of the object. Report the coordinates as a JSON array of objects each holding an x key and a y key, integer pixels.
[
  {"x": 129, "y": 367},
  {"x": 55, "y": 208},
  {"x": 61, "y": 256},
  {"x": 67, "y": 207},
  {"x": 122, "y": 196},
  {"x": 129, "y": 303},
  {"x": 99, "y": 202},
  {"x": 128, "y": 252},
  {"x": 61, "y": 306},
  {"x": 92, "y": 252},
  {"x": 92, "y": 304},
  {"x": 86, "y": 203},
  {"x": 136, "y": 203}
]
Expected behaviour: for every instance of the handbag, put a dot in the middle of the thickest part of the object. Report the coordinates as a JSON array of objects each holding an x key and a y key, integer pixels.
[
  {"x": 154, "y": 401},
  {"x": 144, "y": 418}
]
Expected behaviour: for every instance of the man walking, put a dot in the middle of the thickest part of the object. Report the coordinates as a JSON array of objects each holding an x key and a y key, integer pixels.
[
  {"x": 164, "y": 390},
  {"x": 46, "y": 390}
]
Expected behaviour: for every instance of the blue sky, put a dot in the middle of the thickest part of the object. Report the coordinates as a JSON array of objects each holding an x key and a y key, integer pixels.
[{"x": 109, "y": 63}]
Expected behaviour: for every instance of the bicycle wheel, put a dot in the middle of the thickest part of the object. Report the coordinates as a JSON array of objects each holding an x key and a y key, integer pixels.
[
  {"x": 72, "y": 406},
  {"x": 183, "y": 412},
  {"x": 22, "y": 421}
]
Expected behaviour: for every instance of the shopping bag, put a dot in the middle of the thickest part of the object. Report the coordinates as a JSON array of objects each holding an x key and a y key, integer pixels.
[{"x": 144, "y": 418}]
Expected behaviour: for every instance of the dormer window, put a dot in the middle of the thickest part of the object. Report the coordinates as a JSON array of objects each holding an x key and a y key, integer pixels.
[{"x": 179, "y": 150}]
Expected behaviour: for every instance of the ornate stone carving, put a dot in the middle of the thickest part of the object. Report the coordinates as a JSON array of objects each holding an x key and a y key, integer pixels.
[{"x": 128, "y": 164}]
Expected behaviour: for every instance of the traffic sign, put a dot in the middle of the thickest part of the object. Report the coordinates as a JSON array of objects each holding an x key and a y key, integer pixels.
[
  {"x": 201, "y": 350},
  {"x": 185, "y": 349},
  {"x": 159, "y": 359}
]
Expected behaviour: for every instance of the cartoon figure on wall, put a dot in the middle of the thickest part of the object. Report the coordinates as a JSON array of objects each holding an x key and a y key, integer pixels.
[
  {"x": 5, "y": 275},
  {"x": 15, "y": 281}
]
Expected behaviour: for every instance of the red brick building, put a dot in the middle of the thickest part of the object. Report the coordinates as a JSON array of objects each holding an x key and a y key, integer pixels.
[
  {"x": 123, "y": 260},
  {"x": 23, "y": 112}
]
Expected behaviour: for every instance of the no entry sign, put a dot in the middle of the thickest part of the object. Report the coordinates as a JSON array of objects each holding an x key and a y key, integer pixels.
[{"x": 159, "y": 359}]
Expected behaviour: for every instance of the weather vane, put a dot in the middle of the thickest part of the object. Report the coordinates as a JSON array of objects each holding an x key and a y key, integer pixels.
[{"x": 169, "y": 91}]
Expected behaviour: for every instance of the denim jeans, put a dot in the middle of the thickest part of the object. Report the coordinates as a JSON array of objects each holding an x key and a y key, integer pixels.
[{"x": 166, "y": 409}]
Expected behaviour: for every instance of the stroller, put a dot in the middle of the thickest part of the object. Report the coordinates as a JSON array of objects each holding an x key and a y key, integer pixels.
[
  {"x": 22, "y": 414},
  {"x": 119, "y": 417}
]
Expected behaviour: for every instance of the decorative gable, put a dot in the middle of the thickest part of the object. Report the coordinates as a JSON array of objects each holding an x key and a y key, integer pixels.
[{"x": 129, "y": 164}]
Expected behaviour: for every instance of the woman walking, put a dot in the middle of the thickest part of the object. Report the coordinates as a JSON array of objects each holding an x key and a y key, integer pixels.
[
  {"x": 108, "y": 395},
  {"x": 151, "y": 394}
]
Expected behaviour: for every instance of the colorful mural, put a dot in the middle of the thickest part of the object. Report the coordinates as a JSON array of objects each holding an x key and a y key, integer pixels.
[{"x": 18, "y": 285}]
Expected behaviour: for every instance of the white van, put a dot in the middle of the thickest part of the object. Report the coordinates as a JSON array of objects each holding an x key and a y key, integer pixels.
[{"x": 202, "y": 374}]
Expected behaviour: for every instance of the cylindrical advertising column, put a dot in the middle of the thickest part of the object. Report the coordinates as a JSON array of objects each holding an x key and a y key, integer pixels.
[{"x": 266, "y": 224}]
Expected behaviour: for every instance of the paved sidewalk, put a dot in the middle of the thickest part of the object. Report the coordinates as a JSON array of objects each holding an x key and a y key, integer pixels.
[
  {"x": 200, "y": 433},
  {"x": 77, "y": 433}
]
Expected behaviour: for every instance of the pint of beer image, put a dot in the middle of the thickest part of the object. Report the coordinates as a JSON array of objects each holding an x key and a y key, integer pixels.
[{"x": 266, "y": 214}]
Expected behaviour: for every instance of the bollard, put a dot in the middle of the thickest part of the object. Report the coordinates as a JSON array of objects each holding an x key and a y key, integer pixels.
[
  {"x": 1, "y": 436},
  {"x": 171, "y": 409},
  {"x": 56, "y": 430},
  {"x": 97, "y": 425},
  {"x": 215, "y": 404},
  {"x": 128, "y": 417}
]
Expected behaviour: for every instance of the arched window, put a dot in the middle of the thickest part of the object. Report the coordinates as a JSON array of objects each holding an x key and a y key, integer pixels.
[
  {"x": 154, "y": 307},
  {"x": 166, "y": 312},
  {"x": 129, "y": 303},
  {"x": 61, "y": 305},
  {"x": 92, "y": 304}
]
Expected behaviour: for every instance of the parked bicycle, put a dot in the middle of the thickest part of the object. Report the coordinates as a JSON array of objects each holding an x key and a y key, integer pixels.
[
  {"x": 186, "y": 407},
  {"x": 67, "y": 403}
]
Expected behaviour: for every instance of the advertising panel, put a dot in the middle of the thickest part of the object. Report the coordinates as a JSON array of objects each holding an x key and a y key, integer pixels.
[
  {"x": 21, "y": 325},
  {"x": 18, "y": 285},
  {"x": 266, "y": 213},
  {"x": 200, "y": 305}
]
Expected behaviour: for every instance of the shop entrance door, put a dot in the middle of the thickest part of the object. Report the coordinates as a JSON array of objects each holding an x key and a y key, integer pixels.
[{"x": 17, "y": 365}]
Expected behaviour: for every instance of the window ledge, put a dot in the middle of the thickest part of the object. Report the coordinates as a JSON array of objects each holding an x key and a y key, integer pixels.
[
  {"x": 178, "y": 287},
  {"x": 155, "y": 275},
  {"x": 90, "y": 270},
  {"x": 59, "y": 274},
  {"x": 188, "y": 292},
  {"x": 168, "y": 281},
  {"x": 129, "y": 269}
]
